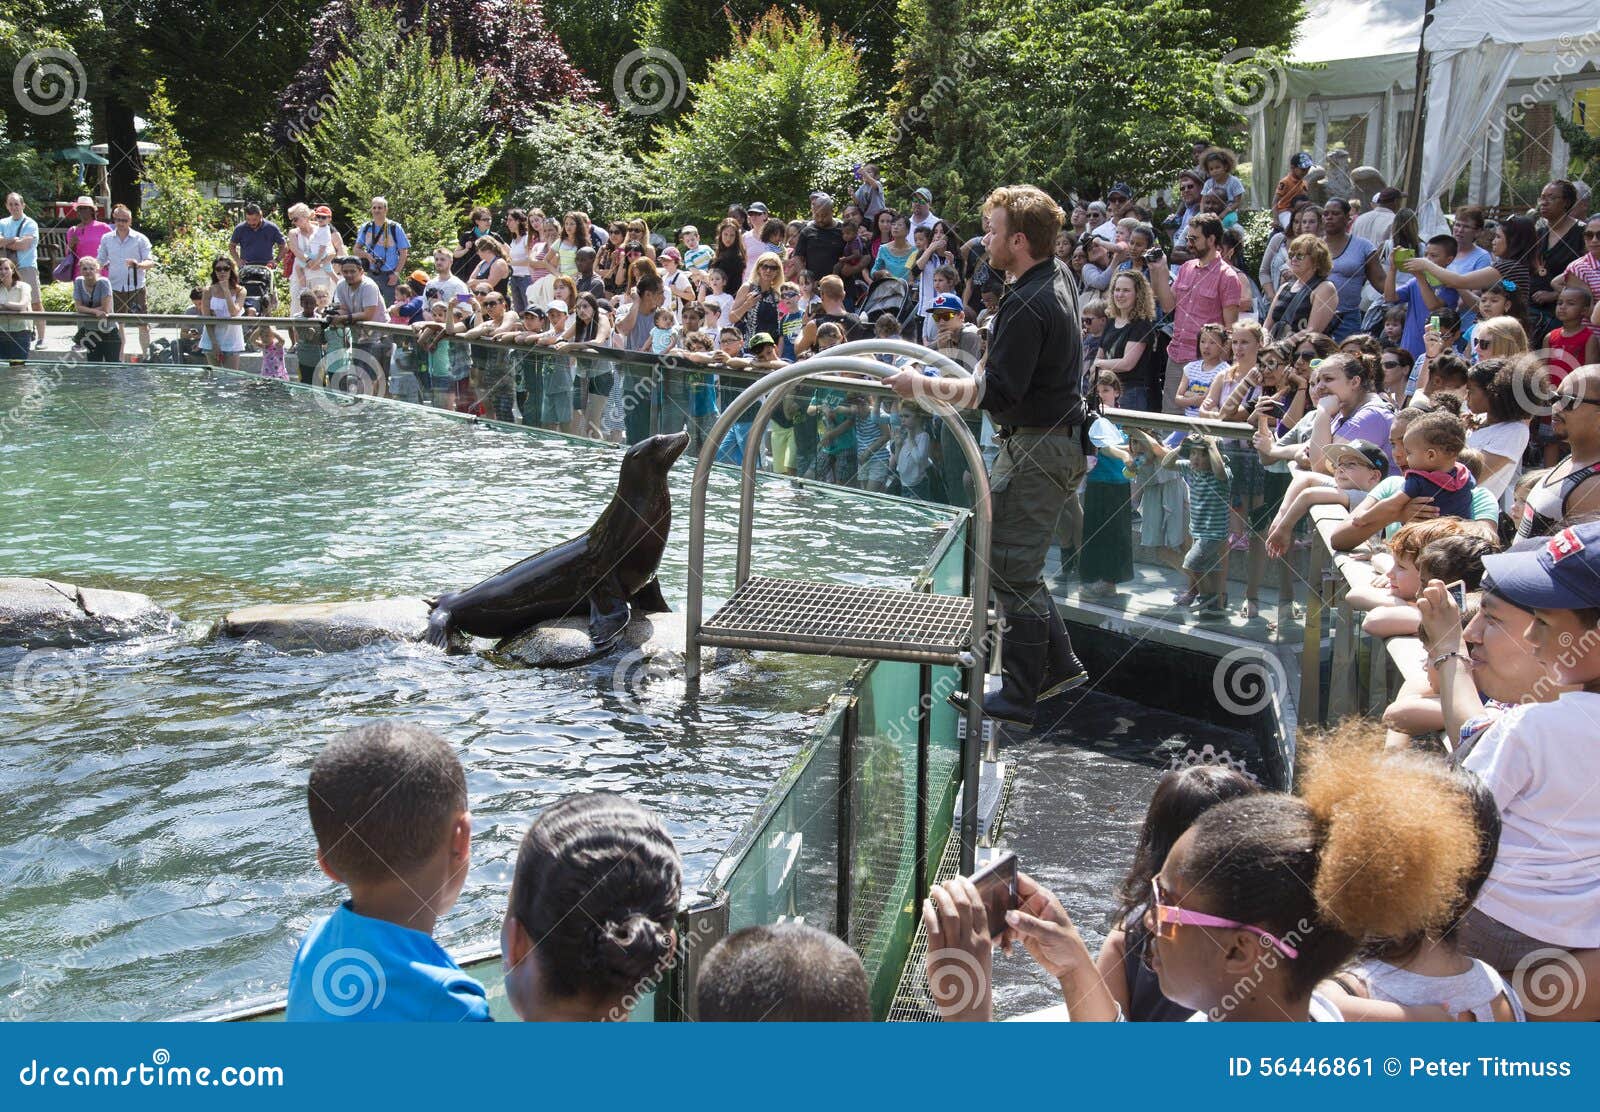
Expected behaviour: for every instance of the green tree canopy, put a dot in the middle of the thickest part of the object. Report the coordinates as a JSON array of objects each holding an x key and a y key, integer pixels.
[
  {"x": 397, "y": 81},
  {"x": 777, "y": 118},
  {"x": 575, "y": 156},
  {"x": 177, "y": 204}
]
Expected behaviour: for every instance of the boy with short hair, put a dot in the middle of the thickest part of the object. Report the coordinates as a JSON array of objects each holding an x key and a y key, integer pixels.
[
  {"x": 1199, "y": 460},
  {"x": 696, "y": 255},
  {"x": 1540, "y": 759},
  {"x": 788, "y": 973},
  {"x": 388, "y": 803}
]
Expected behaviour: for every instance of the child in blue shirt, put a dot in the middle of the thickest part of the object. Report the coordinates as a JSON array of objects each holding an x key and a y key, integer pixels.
[
  {"x": 388, "y": 804},
  {"x": 1433, "y": 443}
]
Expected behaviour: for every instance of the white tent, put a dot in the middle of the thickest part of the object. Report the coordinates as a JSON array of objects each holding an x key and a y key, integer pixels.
[{"x": 1474, "y": 46}]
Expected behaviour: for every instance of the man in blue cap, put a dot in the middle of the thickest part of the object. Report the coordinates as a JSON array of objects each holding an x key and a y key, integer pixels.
[
  {"x": 1541, "y": 759},
  {"x": 1118, "y": 201}
]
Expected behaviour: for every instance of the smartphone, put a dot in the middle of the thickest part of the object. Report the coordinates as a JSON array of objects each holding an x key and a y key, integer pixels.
[
  {"x": 1458, "y": 591},
  {"x": 1433, "y": 324},
  {"x": 996, "y": 883}
]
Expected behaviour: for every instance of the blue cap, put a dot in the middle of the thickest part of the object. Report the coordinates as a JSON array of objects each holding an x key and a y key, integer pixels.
[
  {"x": 947, "y": 303},
  {"x": 1301, "y": 161},
  {"x": 1560, "y": 573},
  {"x": 1122, "y": 188}
]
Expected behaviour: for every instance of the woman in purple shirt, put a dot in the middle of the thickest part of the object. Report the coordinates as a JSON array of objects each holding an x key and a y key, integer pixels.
[{"x": 1351, "y": 407}]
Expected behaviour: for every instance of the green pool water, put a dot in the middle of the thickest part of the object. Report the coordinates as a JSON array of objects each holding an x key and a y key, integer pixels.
[{"x": 155, "y": 857}]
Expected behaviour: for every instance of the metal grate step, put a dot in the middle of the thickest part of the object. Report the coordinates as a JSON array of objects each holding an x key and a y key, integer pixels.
[{"x": 833, "y": 619}]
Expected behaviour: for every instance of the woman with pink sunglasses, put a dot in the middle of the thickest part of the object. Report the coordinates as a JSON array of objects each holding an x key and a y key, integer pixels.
[{"x": 1262, "y": 899}]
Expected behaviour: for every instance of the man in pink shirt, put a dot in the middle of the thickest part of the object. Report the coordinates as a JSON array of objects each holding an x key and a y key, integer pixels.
[
  {"x": 1206, "y": 290},
  {"x": 1585, "y": 269},
  {"x": 83, "y": 238}
]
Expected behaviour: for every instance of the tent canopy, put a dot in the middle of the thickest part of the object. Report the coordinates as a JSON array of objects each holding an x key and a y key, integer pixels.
[
  {"x": 82, "y": 155},
  {"x": 1474, "y": 46}
]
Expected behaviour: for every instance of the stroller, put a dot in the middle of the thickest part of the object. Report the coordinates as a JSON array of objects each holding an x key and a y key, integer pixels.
[
  {"x": 887, "y": 295},
  {"x": 258, "y": 290}
]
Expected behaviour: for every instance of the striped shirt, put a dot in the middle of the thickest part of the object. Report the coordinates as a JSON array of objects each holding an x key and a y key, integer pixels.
[
  {"x": 1208, "y": 499},
  {"x": 1585, "y": 269}
]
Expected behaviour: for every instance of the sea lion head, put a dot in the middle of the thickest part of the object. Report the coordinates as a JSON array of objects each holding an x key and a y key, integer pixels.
[{"x": 654, "y": 456}]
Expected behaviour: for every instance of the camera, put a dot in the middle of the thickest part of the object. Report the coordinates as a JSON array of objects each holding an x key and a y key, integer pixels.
[{"x": 1154, "y": 255}]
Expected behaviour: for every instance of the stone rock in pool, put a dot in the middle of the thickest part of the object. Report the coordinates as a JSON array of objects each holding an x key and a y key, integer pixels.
[
  {"x": 328, "y": 626},
  {"x": 45, "y": 613},
  {"x": 565, "y": 642}
]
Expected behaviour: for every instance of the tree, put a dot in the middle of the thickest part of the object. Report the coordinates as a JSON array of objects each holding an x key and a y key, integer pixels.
[
  {"x": 777, "y": 118},
  {"x": 437, "y": 100},
  {"x": 507, "y": 41},
  {"x": 575, "y": 156},
  {"x": 177, "y": 204},
  {"x": 1071, "y": 95},
  {"x": 596, "y": 34},
  {"x": 411, "y": 177}
]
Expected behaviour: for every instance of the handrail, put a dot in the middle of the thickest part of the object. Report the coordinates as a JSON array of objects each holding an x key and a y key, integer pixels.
[
  {"x": 1167, "y": 422},
  {"x": 981, "y": 524}
]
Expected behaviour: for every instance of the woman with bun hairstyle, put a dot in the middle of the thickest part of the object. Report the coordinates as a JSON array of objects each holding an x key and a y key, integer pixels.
[
  {"x": 1352, "y": 407},
  {"x": 1260, "y": 900},
  {"x": 591, "y": 911}
]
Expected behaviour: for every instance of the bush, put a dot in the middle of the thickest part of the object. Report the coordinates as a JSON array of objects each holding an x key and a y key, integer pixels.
[
  {"x": 57, "y": 297},
  {"x": 166, "y": 292},
  {"x": 574, "y": 157},
  {"x": 187, "y": 256}
]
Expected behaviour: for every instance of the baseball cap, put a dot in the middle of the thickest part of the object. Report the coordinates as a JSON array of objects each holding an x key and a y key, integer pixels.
[
  {"x": 672, "y": 253},
  {"x": 757, "y": 207},
  {"x": 1561, "y": 573},
  {"x": 420, "y": 277},
  {"x": 947, "y": 303},
  {"x": 924, "y": 194},
  {"x": 760, "y": 340},
  {"x": 556, "y": 306},
  {"x": 1368, "y": 453},
  {"x": 1387, "y": 196},
  {"x": 1122, "y": 188},
  {"x": 322, "y": 210},
  {"x": 687, "y": 228},
  {"x": 1301, "y": 161},
  {"x": 1193, "y": 175},
  {"x": 822, "y": 199}
]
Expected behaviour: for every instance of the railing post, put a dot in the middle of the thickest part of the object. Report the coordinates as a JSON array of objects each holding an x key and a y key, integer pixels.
[
  {"x": 849, "y": 723},
  {"x": 1310, "y": 702},
  {"x": 924, "y": 740}
]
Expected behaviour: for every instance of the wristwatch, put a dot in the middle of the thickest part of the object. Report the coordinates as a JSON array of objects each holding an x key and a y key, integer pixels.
[{"x": 1442, "y": 657}]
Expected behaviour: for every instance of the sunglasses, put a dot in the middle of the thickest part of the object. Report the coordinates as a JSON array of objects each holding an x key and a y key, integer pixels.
[
  {"x": 952, "y": 316},
  {"x": 1391, "y": 364},
  {"x": 1295, "y": 256},
  {"x": 1587, "y": 234},
  {"x": 493, "y": 301},
  {"x": 1480, "y": 342},
  {"x": 1570, "y": 401},
  {"x": 1302, "y": 356},
  {"x": 324, "y": 218},
  {"x": 1169, "y": 917}
]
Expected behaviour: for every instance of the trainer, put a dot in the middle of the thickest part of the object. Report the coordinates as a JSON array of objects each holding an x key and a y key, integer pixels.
[{"x": 1028, "y": 383}]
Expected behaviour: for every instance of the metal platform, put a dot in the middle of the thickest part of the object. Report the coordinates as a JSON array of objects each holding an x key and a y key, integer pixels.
[{"x": 833, "y": 619}]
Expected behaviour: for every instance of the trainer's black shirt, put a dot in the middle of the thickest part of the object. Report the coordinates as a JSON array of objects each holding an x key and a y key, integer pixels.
[{"x": 1032, "y": 372}]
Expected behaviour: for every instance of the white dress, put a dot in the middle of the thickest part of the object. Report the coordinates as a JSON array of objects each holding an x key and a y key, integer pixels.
[
  {"x": 314, "y": 278},
  {"x": 229, "y": 337}
]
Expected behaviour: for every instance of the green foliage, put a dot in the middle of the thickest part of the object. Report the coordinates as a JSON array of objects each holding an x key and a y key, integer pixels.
[
  {"x": 412, "y": 178},
  {"x": 1583, "y": 147},
  {"x": 1071, "y": 95},
  {"x": 597, "y": 34},
  {"x": 1258, "y": 227},
  {"x": 575, "y": 157},
  {"x": 388, "y": 81},
  {"x": 24, "y": 170},
  {"x": 776, "y": 119},
  {"x": 167, "y": 293},
  {"x": 177, "y": 204},
  {"x": 188, "y": 253},
  {"x": 56, "y": 297}
]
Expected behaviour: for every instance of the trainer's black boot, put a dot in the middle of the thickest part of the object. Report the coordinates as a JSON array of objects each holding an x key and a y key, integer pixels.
[
  {"x": 1025, "y": 651},
  {"x": 1063, "y": 670}
]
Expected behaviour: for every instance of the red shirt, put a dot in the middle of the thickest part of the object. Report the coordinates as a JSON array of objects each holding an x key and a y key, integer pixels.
[
  {"x": 1201, "y": 292},
  {"x": 1566, "y": 352}
]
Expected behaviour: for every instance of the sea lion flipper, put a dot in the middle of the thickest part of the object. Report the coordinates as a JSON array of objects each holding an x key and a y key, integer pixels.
[
  {"x": 648, "y": 599},
  {"x": 608, "y": 617}
]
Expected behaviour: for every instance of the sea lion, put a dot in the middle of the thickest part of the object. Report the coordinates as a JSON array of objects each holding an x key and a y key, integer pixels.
[{"x": 603, "y": 570}]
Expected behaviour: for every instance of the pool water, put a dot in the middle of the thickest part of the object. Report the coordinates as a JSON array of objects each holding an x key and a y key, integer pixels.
[{"x": 155, "y": 856}]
